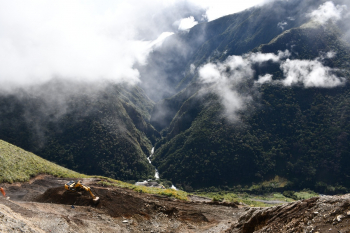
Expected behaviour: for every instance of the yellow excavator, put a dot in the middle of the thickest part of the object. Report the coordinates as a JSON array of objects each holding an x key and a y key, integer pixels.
[{"x": 77, "y": 186}]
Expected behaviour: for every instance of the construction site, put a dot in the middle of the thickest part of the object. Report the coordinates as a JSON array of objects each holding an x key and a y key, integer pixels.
[{"x": 44, "y": 205}]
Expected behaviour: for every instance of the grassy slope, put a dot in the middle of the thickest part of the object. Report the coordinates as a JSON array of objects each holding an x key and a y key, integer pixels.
[{"x": 17, "y": 164}]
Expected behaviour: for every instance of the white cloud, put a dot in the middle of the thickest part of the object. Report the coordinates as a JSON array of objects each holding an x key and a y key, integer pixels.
[
  {"x": 210, "y": 73},
  {"x": 331, "y": 54},
  {"x": 267, "y": 78},
  {"x": 187, "y": 23},
  {"x": 223, "y": 82},
  {"x": 70, "y": 39},
  {"x": 192, "y": 69},
  {"x": 226, "y": 78},
  {"x": 282, "y": 24},
  {"x": 159, "y": 41},
  {"x": 263, "y": 57},
  {"x": 309, "y": 73},
  {"x": 84, "y": 40},
  {"x": 328, "y": 11},
  {"x": 77, "y": 40}
]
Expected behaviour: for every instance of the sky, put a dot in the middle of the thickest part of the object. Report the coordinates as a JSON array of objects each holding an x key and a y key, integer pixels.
[{"x": 90, "y": 40}]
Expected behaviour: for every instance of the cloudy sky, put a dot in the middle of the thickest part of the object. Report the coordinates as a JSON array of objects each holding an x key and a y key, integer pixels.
[{"x": 92, "y": 40}]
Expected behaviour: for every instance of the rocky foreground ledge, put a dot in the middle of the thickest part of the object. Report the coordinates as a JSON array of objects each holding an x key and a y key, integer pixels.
[{"x": 318, "y": 214}]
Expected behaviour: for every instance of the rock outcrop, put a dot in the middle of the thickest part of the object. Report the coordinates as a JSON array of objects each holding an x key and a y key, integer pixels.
[{"x": 318, "y": 214}]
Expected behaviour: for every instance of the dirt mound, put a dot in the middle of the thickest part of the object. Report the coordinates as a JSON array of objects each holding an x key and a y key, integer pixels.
[
  {"x": 60, "y": 196},
  {"x": 117, "y": 202}
]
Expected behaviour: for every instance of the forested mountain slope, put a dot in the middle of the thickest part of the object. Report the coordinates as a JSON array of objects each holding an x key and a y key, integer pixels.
[
  {"x": 102, "y": 131},
  {"x": 295, "y": 131},
  {"x": 174, "y": 64}
]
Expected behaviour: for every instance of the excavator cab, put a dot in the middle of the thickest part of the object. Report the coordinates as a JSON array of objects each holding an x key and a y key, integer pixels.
[
  {"x": 77, "y": 186},
  {"x": 70, "y": 186}
]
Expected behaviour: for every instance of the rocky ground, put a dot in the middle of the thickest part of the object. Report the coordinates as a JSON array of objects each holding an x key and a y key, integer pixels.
[
  {"x": 318, "y": 214},
  {"x": 42, "y": 205}
]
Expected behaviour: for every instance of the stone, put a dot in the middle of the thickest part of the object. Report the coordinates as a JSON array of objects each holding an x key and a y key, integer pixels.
[{"x": 339, "y": 218}]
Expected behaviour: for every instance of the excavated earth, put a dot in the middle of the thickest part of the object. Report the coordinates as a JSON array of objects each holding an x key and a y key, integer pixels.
[{"x": 42, "y": 205}]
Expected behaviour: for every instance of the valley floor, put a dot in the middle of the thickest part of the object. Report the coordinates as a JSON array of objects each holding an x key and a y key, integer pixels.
[{"x": 42, "y": 205}]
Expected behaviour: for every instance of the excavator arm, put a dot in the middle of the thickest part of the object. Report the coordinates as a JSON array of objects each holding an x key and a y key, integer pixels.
[{"x": 88, "y": 189}]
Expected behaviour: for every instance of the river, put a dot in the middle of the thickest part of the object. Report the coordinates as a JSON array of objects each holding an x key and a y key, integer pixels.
[{"x": 156, "y": 174}]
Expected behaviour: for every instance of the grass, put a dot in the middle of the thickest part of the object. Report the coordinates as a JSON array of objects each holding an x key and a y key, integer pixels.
[
  {"x": 178, "y": 194},
  {"x": 238, "y": 197},
  {"x": 18, "y": 165},
  {"x": 253, "y": 200},
  {"x": 277, "y": 182},
  {"x": 306, "y": 194}
]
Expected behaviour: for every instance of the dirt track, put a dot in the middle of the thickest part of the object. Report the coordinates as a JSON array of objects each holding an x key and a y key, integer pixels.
[{"x": 43, "y": 205}]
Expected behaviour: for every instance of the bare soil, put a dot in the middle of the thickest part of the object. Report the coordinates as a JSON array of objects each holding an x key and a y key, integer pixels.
[{"x": 42, "y": 205}]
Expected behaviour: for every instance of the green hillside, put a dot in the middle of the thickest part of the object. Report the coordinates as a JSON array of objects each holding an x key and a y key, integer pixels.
[{"x": 17, "y": 164}]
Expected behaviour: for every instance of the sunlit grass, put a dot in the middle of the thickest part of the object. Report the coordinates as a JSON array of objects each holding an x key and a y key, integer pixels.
[
  {"x": 18, "y": 165},
  {"x": 247, "y": 199},
  {"x": 277, "y": 182},
  {"x": 306, "y": 195}
]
